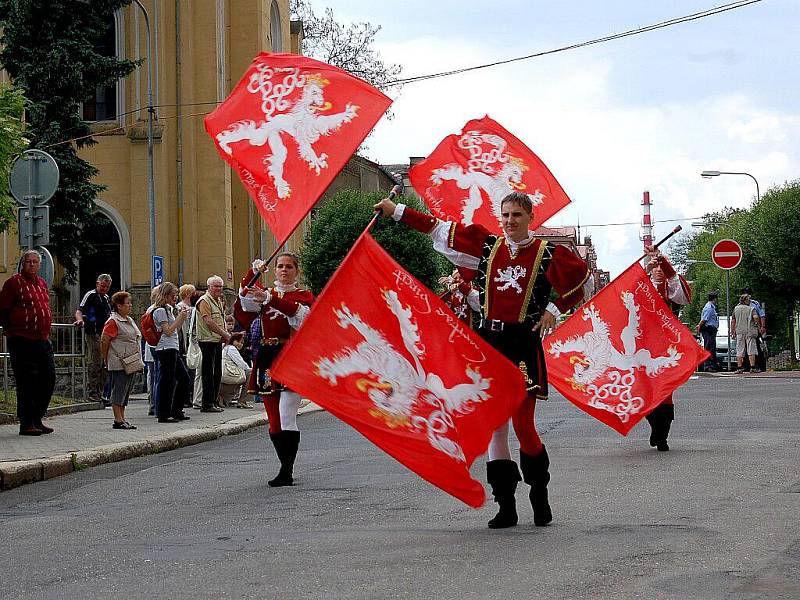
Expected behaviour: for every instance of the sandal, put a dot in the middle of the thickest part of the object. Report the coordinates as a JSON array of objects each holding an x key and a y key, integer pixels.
[
  {"x": 739, "y": 372},
  {"x": 123, "y": 425}
]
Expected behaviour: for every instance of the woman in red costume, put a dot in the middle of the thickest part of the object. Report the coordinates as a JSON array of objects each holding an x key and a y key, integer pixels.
[{"x": 281, "y": 309}]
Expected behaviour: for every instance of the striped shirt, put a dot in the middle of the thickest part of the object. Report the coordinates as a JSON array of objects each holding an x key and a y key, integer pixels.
[{"x": 25, "y": 307}]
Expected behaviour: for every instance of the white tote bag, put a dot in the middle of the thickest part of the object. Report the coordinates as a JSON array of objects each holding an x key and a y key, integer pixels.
[{"x": 193, "y": 354}]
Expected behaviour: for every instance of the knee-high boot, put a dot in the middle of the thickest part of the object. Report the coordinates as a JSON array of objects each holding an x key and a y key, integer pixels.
[
  {"x": 536, "y": 473},
  {"x": 286, "y": 444},
  {"x": 503, "y": 476},
  {"x": 660, "y": 421}
]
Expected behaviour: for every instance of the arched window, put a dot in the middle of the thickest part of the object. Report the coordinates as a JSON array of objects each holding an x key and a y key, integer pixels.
[
  {"x": 275, "y": 33},
  {"x": 103, "y": 106}
]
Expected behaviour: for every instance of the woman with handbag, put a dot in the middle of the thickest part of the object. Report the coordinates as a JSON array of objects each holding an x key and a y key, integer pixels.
[
  {"x": 172, "y": 379},
  {"x": 282, "y": 308},
  {"x": 235, "y": 372},
  {"x": 119, "y": 346}
]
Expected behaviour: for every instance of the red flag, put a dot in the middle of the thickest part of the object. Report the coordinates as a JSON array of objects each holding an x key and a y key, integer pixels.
[
  {"x": 622, "y": 353},
  {"x": 385, "y": 355},
  {"x": 467, "y": 176},
  {"x": 288, "y": 127}
]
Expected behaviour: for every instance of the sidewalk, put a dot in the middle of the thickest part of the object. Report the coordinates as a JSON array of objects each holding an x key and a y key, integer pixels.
[
  {"x": 86, "y": 439},
  {"x": 764, "y": 375}
]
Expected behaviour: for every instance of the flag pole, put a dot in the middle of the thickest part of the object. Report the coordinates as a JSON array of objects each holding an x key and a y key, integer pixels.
[
  {"x": 392, "y": 195},
  {"x": 669, "y": 235}
]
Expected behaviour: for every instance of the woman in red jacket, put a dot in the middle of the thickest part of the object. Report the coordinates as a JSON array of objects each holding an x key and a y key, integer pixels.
[{"x": 281, "y": 309}]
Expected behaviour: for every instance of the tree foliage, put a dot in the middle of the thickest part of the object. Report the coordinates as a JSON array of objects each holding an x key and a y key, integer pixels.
[
  {"x": 338, "y": 223},
  {"x": 348, "y": 47},
  {"x": 767, "y": 232},
  {"x": 12, "y": 142},
  {"x": 48, "y": 49}
]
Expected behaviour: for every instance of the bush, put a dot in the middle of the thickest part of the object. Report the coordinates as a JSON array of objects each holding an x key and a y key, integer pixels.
[{"x": 338, "y": 223}]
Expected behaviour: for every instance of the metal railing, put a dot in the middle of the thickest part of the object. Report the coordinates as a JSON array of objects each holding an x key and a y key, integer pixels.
[{"x": 69, "y": 350}]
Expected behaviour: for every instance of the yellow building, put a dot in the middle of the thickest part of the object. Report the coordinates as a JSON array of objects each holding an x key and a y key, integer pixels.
[{"x": 205, "y": 222}]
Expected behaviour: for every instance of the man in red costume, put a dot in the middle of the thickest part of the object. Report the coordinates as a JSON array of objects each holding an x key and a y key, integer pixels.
[
  {"x": 281, "y": 309},
  {"x": 675, "y": 291},
  {"x": 514, "y": 274}
]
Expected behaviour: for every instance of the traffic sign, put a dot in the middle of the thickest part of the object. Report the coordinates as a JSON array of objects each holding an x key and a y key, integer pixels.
[
  {"x": 34, "y": 226},
  {"x": 158, "y": 270},
  {"x": 34, "y": 178},
  {"x": 726, "y": 254}
]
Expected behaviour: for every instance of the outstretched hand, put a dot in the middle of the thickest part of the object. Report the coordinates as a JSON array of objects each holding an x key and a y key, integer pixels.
[
  {"x": 546, "y": 324},
  {"x": 386, "y": 206}
]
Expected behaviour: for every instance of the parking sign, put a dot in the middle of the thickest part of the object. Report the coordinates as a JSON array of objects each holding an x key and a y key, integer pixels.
[{"x": 158, "y": 270}]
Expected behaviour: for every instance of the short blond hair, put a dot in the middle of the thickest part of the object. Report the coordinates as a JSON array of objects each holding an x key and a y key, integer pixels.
[{"x": 186, "y": 291}]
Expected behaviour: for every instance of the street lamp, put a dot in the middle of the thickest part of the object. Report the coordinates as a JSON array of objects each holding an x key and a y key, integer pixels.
[
  {"x": 151, "y": 187},
  {"x": 691, "y": 261},
  {"x": 710, "y": 174}
]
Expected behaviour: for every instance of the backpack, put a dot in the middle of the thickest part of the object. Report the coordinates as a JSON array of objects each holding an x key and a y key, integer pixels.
[{"x": 150, "y": 333}]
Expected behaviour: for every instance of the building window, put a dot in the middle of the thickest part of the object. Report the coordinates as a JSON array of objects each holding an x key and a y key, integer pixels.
[
  {"x": 275, "y": 34},
  {"x": 103, "y": 105}
]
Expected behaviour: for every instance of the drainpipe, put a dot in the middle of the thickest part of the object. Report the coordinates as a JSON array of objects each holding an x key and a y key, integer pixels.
[{"x": 179, "y": 140}]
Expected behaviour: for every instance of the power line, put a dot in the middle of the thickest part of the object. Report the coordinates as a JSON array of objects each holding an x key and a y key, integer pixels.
[
  {"x": 631, "y": 32},
  {"x": 624, "y": 223}
]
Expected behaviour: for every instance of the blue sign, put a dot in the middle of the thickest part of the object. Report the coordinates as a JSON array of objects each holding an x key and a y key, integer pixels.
[{"x": 158, "y": 270}]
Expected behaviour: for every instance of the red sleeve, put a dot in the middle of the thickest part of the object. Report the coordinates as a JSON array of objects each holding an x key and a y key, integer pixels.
[
  {"x": 468, "y": 239},
  {"x": 246, "y": 279},
  {"x": 110, "y": 329},
  {"x": 686, "y": 289},
  {"x": 567, "y": 273},
  {"x": 666, "y": 266},
  {"x": 290, "y": 307},
  {"x": 7, "y": 295}
]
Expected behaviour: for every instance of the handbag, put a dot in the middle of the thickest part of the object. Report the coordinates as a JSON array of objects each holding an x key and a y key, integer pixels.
[
  {"x": 232, "y": 374},
  {"x": 133, "y": 363},
  {"x": 194, "y": 355}
]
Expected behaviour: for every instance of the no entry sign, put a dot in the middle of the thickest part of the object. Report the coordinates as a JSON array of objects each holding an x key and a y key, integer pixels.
[{"x": 726, "y": 254}]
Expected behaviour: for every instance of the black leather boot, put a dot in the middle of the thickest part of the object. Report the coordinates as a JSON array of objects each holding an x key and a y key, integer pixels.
[
  {"x": 660, "y": 420},
  {"x": 536, "y": 473},
  {"x": 286, "y": 444},
  {"x": 503, "y": 476}
]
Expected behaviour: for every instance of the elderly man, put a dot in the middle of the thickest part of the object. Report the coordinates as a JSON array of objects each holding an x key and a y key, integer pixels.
[
  {"x": 92, "y": 314},
  {"x": 513, "y": 275},
  {"x": 26, "y": 318},
  {"x": 211, "y": 333}
]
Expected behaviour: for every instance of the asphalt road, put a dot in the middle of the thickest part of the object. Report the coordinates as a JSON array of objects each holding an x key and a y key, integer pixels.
[{"x": 716, "y": 517}]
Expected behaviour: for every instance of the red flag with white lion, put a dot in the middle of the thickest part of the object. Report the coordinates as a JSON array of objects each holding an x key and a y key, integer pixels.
[
  {"x": 622, "y": 353},
  {"x": 387, "y": 356},
  {"x": 467, "y": 175},
  {"x": 287, "y": 129}
]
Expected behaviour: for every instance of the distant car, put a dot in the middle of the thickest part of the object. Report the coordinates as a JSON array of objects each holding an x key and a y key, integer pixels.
[{"x": 722, "y": 345}]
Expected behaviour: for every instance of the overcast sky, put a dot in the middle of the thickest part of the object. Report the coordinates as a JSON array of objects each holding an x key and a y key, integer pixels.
[{"x": 648, "y": 112}]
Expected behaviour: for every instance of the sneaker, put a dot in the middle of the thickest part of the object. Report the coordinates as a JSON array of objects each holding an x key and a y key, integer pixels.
[
  {"x": 122, "y": 425},
  {"x": 212, "y": 409}
]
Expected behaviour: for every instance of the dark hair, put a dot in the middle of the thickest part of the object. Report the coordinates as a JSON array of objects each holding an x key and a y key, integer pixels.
[
  {"x": 118, "y": 299},
  {"x": 236, "y": 337},
  {"x": 712, "y": 295},
  {"x": 291, "y": 255},
  {"x": 520, "y": 199},
  {"x": 747, "y": 290},
  {"x": 195, "y": 297}
]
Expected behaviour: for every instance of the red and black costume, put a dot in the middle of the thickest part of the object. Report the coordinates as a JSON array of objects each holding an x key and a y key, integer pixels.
[
  {"x": 514, "y": 283},
  {"x": 279, "y": 316},
  {"x": 675, "y": 291}
]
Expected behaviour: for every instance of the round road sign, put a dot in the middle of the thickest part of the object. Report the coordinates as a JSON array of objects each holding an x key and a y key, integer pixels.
[
  {"x": 34, "y": 178},
  {"x": 726, "y": 254}
]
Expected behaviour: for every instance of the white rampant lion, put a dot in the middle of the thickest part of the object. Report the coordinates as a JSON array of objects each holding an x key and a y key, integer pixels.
[
  {"x": 598, "y": 355},
  {"x": 484, "y": 175},
  {"x": 395, "y": 385},
  {"x": 301, "y": 122}
]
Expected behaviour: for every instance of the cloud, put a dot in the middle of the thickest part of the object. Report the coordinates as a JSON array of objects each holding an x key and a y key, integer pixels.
[{"x": 604, "y": 149}]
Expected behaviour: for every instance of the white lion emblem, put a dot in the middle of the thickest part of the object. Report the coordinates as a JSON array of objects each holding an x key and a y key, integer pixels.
[
  {"x": 301, "y": 121},
  {"x": 509, "y": 276},
  {"x": 396, "y": 386},
  {"x": 495, "y": 172},
  {"x": 598, "y": 357}
]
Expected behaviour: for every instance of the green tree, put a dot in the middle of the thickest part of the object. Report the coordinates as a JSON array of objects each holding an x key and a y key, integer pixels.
[
  {"x": 338, "y": 223},
  {"x": 767, "y": 233},
  {"x": 48, "y": 49},
  {"x": 12, "y": 142}
]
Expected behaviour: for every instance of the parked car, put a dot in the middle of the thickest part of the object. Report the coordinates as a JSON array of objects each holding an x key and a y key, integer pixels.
[{"x": 722, "y": 345}]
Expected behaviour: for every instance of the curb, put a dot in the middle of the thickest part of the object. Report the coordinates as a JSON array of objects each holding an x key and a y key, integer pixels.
[
  {"x": 67, "y": 409},
  {"x": 15, "y": 473}
]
